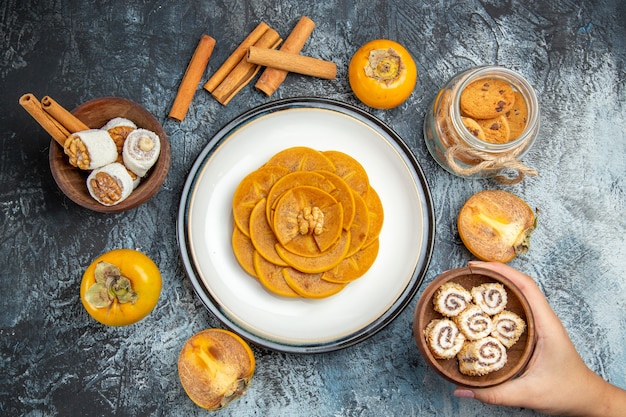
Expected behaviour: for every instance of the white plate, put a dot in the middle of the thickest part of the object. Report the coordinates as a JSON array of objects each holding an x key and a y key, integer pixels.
[{"x": 364, "y": 306}]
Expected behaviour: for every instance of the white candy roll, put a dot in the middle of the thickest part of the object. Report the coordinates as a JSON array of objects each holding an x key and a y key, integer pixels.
[
  {"x": 90, "y": 149},
  {"x": 119, "y": 121},
  {"x": 119, "y": 128},
  {"x": 451, "y": 298},
  {"x": 508, "y": 327},
  {"x": 491, "y": 297},
  {"x": 110, "y": 184},
  {"x": 444, "y": 338},
  {"x": 474, "y": 323},
  {"x": 141, "y": 151},
  {"x": 481, "y": 357}
]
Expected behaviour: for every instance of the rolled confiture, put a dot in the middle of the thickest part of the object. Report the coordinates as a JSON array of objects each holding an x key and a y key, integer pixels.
[
  {"x": 141, "y": 151},
  {"x": 474, "y": 323},
  {"x": 490, "y": 297},
  {"x": 508, "y": 327},
  {"x": 451, "y": 298},
  {"x": 110, "y": 184},
  {"x": 444, "y": 338},
  {"x": 480, "y": 357},
  {"x": 119, "y": 128},
  {"x": 90, "y": 149}
]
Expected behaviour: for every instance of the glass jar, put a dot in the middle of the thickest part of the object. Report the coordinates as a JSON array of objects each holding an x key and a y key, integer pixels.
[{"x": 462, "y": 153}]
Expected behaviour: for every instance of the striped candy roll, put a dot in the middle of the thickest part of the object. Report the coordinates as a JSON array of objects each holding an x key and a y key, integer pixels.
[
  {"x": 451, "y": 298},
  {"x": 474, "y": 323},
  {"x": 491, "y": 297},
  {"x": 480, "y": 357},
  {"x": 507, "y": 327},
  {"x": 444, "y": 338}
]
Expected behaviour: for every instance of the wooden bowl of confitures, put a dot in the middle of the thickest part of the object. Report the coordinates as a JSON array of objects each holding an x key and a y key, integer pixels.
[
  {"x": 518, "y": 355},
  {"x": 95, "y": 114}
]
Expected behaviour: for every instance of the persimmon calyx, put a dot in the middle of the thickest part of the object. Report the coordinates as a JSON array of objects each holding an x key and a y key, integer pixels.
[
  {"x": 110, "y": 285},
  {"x": 237, "y": 389},
  {"x": 522, "y": 246},
  {"x": 384, "y": 65}
]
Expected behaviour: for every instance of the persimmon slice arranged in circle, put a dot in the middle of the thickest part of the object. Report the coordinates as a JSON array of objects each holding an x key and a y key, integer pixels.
[
  {"x": 254, "y": 187},
  {"x": 359, "y": 230},
  {"x": 376, "y": 215},
  {"x": 311, "y": 285},
  {"x": 244, "y": 251},
  {"x": 307, "y": 222},
  {"x": 344, "y": 195},
  {"x": 350, "y": 170},
  {"x": 354, "y": 266},
  {"x": 317, "y": 264},
  {"x": 271, "y": 276},
  {"x": 301, "y": 158},
  {"x": 262, "y": 236}
]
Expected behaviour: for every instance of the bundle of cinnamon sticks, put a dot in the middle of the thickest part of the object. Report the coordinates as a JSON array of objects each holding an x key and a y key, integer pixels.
[
  {"x": 53, "y": 117},
  {"x": 257, "y": 50}
]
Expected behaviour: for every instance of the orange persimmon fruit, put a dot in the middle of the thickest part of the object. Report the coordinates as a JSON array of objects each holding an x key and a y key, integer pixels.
[
  {"x": 120, "y": 287},
  {"x": 496, "y": 225},
  {"x": 215, "y": 367},
  {"x": 382, "y": 74}
]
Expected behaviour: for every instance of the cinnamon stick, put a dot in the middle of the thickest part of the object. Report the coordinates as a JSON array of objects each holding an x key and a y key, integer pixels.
[
  {"x": 193, "y": 74},
  {"x": 243, "y": 73},
  {"x": 61, "y": 115},
  {"x": 272, "y": 78},
  {"x": 286, "y": 61},
  {"x": 30, "y": 103},
  {"x": 234, "y": 59}
]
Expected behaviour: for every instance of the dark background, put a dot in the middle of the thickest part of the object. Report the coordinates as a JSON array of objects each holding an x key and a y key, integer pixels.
[{"x": 57, "y": 361}]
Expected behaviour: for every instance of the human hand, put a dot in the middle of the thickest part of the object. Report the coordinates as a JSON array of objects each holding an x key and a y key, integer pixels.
[{"x": 556, "y": 380}]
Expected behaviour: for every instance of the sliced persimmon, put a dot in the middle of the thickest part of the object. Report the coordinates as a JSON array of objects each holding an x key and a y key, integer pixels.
[
  {"x": 317, "y": 264},
  {"x": 303, "y": 214},
  {"x": 271, "y": 277},
  {"x": 307, "y": 221},
  {"x": 250, "y": 190},
  {"x": 292, "y": 180},
  {"x": 376, "y": 215},
  {"x": 343, "y": 194},
  {"x": 496, "y": 225},
  {"x": 350, "y": 170},
  {"x": 310, "y": 285},
  {"x": 301, "y": 158},
  {"x": 359, "y": 231},
  {"x": 353, "y": 267},
  {"x": 244, "y": 251},
  {"x": 262, "y": 236},
  {"x": 215, "y": 366}
]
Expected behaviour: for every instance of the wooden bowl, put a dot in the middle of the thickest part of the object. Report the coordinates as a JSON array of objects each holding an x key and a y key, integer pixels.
[
  {"x": 518, "y": 355},
  {"x": 95, "y": 114}
]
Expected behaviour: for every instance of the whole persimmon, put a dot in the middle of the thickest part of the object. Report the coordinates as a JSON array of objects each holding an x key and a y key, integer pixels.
[
  {"x": 120, "y": 287},
  {"x": 382, "y": 74},
  {"x": 215, "y": 367}
]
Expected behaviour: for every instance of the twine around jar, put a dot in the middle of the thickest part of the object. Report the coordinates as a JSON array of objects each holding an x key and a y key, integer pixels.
[{"x": 489, "y": 161}]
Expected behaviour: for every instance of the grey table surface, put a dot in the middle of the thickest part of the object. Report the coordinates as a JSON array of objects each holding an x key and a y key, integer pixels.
[{"x": 56, "y": 361}]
